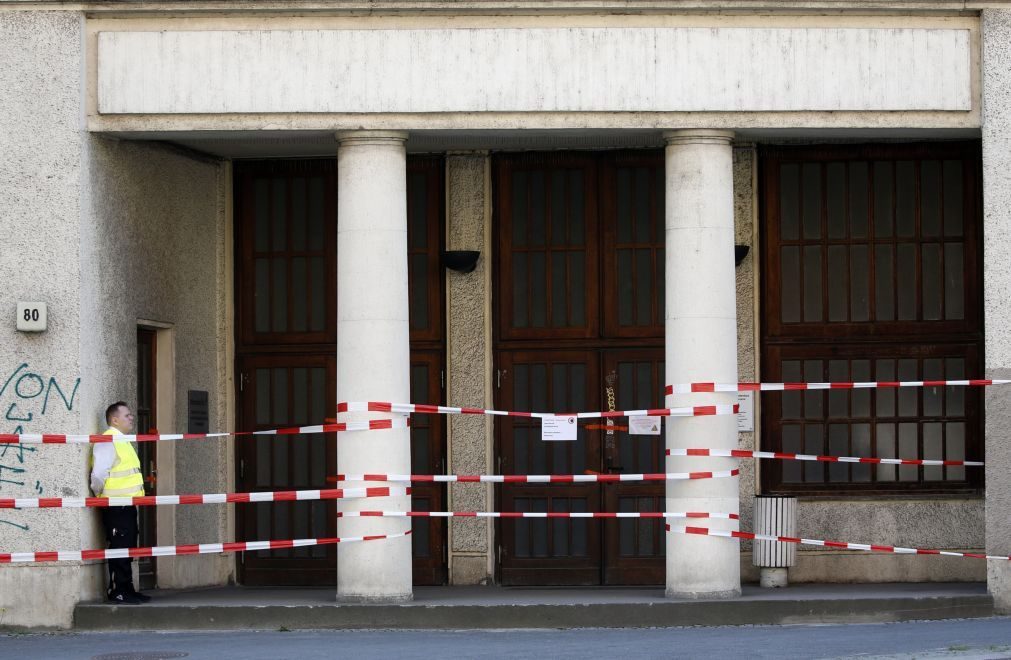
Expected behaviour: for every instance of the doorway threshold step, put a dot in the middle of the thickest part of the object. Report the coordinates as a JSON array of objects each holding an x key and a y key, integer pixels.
[{"x": 461, "y": 608}]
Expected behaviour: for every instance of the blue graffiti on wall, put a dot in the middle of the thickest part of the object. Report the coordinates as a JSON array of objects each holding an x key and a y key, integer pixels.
[{"x": 25, "y": 398}]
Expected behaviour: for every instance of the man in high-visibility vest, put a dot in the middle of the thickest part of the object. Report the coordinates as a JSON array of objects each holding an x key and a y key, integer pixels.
[{"x": 115, "y": 472}]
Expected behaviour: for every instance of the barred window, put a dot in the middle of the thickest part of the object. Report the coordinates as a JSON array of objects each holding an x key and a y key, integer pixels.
[{"x": 872, "y": 272}]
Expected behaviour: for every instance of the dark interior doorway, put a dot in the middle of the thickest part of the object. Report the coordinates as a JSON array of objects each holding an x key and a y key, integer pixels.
[{"x": 146, "y": 414}]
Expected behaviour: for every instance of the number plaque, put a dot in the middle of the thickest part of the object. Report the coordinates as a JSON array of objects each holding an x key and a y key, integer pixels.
[{"x": 31, "y": 316}]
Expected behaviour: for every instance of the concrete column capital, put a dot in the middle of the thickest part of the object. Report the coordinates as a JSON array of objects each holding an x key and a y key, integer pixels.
[
  {"x": 708, "y": 136},
  {"x": 370, "y": 138}
]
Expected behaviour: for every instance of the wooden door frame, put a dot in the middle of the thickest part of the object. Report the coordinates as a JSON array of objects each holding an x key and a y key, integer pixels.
[
  {"x": 527, "y": 572},
  {"x": 504, "y": 169},
  {"x": 148, "y": 519},
  {"x": 634, "y": 570},
  {"x": 609, "y": 239},
  {"x": 294, "y": 572},
  {"x": 433, "y": 570}
]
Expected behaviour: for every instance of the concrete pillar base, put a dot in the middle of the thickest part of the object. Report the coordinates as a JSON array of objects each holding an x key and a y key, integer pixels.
[
  {"x": 366, "y": 599},
  {"x": 702, "y": 595}
]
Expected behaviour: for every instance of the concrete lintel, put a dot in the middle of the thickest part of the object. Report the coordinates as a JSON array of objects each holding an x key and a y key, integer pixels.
[
  {"x": 131, "y": 8},
  {"x": 320, "y": 143}
]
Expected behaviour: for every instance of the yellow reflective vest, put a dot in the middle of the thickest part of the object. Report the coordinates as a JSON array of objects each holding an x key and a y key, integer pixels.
[{"x": 125, "y": 479}]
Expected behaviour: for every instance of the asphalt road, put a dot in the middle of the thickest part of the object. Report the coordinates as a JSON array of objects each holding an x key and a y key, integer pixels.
[{"x": 966, "y": 638}]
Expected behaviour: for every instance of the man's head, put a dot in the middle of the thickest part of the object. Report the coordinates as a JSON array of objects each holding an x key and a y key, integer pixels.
[{"x": 119, "y": 417}]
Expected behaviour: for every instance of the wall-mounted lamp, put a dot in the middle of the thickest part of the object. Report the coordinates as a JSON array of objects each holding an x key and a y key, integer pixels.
[
  {"x": 740, "y": 251},
  {"x": 462, "y": 261}
]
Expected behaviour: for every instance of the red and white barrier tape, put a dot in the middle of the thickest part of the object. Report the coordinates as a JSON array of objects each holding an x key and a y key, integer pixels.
[
  {"x": 175, "y": 550},
  {"x": 65, "y": 439},
  {"x": 408, "y": 408},
  {"x": 211, "y": 498},
  {"x": 532, "y": 478},
  {"x": 705, "y": 531},
  {"x": 536, "y": 514},
  {"x": 690, "y": 388},
  {"x": 747, "y": 453}
]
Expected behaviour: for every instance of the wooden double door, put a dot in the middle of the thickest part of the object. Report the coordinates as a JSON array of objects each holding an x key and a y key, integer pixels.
[
  {"x": 579, "y": 327},
  {"x": 580, "y": 551},
  {"x": 286, "y": 336},
  {"x": 299, "y": 390}
]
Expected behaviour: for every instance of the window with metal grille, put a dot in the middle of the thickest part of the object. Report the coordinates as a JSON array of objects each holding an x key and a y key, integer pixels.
[{"x": 872, "y": 272}]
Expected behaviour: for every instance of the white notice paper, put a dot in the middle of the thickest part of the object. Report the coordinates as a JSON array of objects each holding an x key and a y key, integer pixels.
[
  {"x": 558, "y": 429},
  {"x": 746, "y": 412},
  {"x": 648, "y": 425}
]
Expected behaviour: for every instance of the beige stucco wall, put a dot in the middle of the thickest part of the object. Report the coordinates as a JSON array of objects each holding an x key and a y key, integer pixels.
[
  {"x": 997, "y": 276},
  {"x": 745, "y": 233},
  {"x": 157, "y": 249},
  {"x": 469, "y": 361},
  {"x": 43, "y": 182},
  {"x": 106, "y": 233}
]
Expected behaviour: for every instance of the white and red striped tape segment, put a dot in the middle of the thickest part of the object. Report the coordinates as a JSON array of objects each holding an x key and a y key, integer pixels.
[
  {"x": 192, "y": 549},
  {"x": 747, "y": 453},
  {"x": 532, "y": 478},
  {"x": 690, "y": 388},
  {"x": 210, "y": 498},
  {"x": 705, "y": 531},
  {"x": 537, "y": 514},
  {"x": 65, "y": 439},
  {"x": 408, "y": 408}
]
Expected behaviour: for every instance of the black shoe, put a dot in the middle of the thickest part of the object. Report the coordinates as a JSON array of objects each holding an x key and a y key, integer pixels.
[
  {"x": 121, "y": 598},
  {"x": 144, "y": 598}
]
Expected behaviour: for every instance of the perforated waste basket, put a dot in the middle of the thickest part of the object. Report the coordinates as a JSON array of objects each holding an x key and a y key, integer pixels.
[{"x": 775, "y": 516}]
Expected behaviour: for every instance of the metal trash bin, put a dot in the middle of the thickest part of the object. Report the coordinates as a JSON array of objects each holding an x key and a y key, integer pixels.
[{"x": 775, "y": 516}]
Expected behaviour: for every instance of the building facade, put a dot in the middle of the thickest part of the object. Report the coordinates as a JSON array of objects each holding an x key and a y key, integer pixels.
[{"x": 241, "y": 213}]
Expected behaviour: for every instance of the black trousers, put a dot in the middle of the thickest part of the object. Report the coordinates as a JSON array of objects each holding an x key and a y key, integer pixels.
[{"x": 120, "y": 524}]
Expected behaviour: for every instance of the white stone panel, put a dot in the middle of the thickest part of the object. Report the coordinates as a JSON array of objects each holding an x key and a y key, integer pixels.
[{"x": 583, "y": 69}]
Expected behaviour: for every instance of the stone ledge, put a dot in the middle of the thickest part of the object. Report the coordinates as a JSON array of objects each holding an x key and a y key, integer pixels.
[{"x": 231, "y": 608}]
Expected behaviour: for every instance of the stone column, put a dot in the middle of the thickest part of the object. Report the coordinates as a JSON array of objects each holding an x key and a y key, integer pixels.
[
  {"x": 373, "y": 353},
  {"x": 701, "y": 345},
  {"x": 997, "y": 276}
]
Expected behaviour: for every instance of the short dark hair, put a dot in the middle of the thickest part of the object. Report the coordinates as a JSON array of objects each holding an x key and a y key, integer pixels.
[{"x": 111, "y": 410}]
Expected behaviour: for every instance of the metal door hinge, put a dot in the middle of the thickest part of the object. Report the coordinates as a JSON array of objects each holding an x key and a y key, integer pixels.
[
  {"x": 442, "y": 379},
  {"x": 242, "y": 381},
  {"x": 498, "y": 378},
  {"x": 242, "y": 468}
]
